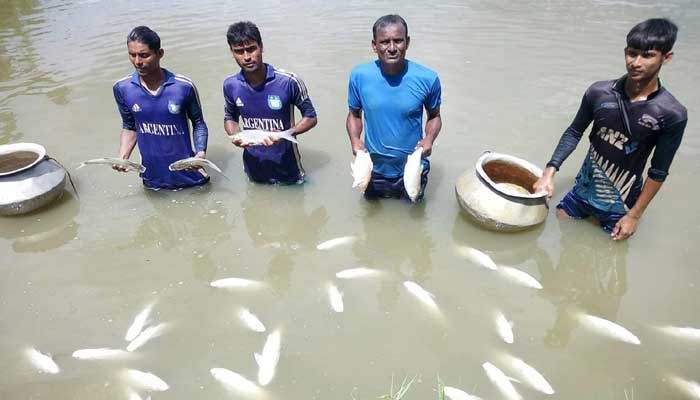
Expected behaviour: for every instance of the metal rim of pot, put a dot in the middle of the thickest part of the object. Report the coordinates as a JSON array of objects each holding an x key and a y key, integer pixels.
[
  {"x": 35, "y": 148},
  {"x": 519, "y": 162}
]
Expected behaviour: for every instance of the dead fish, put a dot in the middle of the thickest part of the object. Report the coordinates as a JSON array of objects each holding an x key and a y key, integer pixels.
[
  {"x": 233, "y": 283},
  {"x": 457, "y": 394},
  {"x": 423, "y": 295},
  {"x": 336, "y": 298},
  {"x": 251, "y": 321},
  {"x": 234, "y": 381},
  {"x": 608, "y": 328},
  {"x": 254, "y": 137},
  {"x": 42, "y": 362},
  {"x": 146, "y": 380},
  {"x": 146, "y": 335},
  {"x": 522, "y": 277},
  {"x": 690, "y": 388},
  {"x": 412, "y": 172},
  {"x": 359, "y": 272},
  {"x": 335, "y": 242},
  {"x": 135, "y": 396},
  {"x": 681, "y": 332},
  {"x": 530, "y": 375},
  {"x": 361, "y": 170},
  {"x": 129, "y": 165},
  {"x": 138, "y": 324},
  {"x": 268, "y": 359},
  {"x": 194, "y": 162},
  {"x": 501, "y": 381},
  {"x": 478, "y": 257},
  {"x": 102, "y": 353},
  {"x": 504, "y": 327}
]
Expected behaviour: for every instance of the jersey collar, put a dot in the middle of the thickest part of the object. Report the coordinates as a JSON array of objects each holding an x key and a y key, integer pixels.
[
  {"x": 619, "y": 86},
  {"x": 269, "y": 73},
  {"x": 169, "y": 78}
]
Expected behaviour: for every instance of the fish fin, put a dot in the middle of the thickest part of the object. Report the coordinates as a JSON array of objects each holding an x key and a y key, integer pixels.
[{"x": 258, "y": 358}]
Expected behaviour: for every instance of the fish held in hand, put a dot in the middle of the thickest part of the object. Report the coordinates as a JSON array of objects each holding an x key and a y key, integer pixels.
[
  {"x": 194, "y": 162},
  {"x": 412, "y": 174},
  {"x": 361, "y": 170},
  {"x": 251, "y": 321},
  {"x": 234, "y": 381},
  {"x": 255, "y": 137},
  {"x": 126, "y": 164},
  {"x": 42, "y": 362}
]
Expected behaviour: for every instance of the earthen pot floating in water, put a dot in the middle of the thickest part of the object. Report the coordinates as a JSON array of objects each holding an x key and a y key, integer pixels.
[
  {"x": 28, "y": 178},
  {"x": 498, "y": 193}
]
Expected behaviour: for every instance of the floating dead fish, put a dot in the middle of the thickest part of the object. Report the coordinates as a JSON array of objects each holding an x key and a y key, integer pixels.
[
  {"x": 681, "y": 332},
  {"x": 42, "y": 362},
  {"x": 129, "y": 165},
  {"x": 423, "y": 295},
  {"x": 521, "y": 277},
  {"x": 356, "y": 273},
  {"x": 234, "y": 381},
  {"x": 530, "y": 375},
  {"x": 504, "y": 327},
  {"x": 251, "y": 321},
  {"x": 477, "y": 256},
  {"x": 412, "y": 174},
  {"x": 361, "y": 170},
  {"x": 690, "y": 388},
  {"x": 268, "y": 359},
  {"x": 501, "y": 381},
  {"x": 146, "y": 335},
  {"x": 139, "y": 322},
  {"x": 102, "y": 353},
  {"x": 608, "y": 328},
  {"x": 457, "y": 394},
  {"x": 233, "y": 283},
  {"x": 195, "y": 162},
  {"x": 146, "y": 380},
  {"x": 336, "y": 298},
  {"x": 135, "y": 396},
  {"x": 254, "y": 137},
  {"x": 339, "y": 241}
]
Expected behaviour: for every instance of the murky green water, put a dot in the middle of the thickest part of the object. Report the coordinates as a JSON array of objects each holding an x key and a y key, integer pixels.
[{"x": 74, "y": 276}]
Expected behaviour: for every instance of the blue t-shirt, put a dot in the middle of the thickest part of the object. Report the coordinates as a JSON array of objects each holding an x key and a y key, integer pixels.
[
  {"x": 393, "y": 111},
  {"x": 269, "y": 107},
  {"x": 162, "y": 131}
]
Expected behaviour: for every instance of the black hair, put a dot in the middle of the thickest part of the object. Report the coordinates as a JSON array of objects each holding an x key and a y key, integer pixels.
[
  {"x": 653, "y": 34},
  {"x": 241, "y": 32},
  {"x": 145, "y": 35},
  {"x": 391, "y": 19}
]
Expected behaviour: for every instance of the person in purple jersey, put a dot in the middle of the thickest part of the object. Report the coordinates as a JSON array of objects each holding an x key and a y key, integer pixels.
[
  {"x": 155, "y": 105},
  {"x": 632, "y": 116},
  {"x": 262, "y": 97}
]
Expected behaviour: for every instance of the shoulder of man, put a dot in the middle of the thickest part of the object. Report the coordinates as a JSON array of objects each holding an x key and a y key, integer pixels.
[
  {"x": 119, "y": 83},
  {"x": 364, "y": 69},
  {"x": 674, "y": 110},
  {"x": 423, "y": 70}
]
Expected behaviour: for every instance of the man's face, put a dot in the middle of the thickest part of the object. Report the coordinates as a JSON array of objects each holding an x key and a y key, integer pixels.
[
  {"x": 644, "y": 64},
  {"x": 391, "y": 44},
  {"x": 248, "y": 56},
  {"x": 145, "y": 60}
]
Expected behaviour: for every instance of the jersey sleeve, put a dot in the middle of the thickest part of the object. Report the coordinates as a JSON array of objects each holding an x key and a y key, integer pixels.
[
  {"x": 354, "y": 101},
  {"x": 231, "y": 112},
  {"x": 666, "y": 147},
  {"x": 572, "y": 135},
  {"x": 434, "y": 98},
  {"x": 127, "y": 118},
  {"x": 300, "y": 97},
  {"x": 200, "y": 132}
]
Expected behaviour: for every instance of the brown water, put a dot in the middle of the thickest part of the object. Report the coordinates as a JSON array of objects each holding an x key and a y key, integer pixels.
[
  {"x": 74, "y": 276},
  {"x": 12, "y": 161}
]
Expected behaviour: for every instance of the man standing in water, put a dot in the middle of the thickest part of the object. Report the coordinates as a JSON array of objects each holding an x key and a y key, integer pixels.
[
  {"x": 632, "y": 116},
  {"x": 263, "y": 97},
  {"x": 154, "y": 105},
  {"x": 392, "y": 91}
]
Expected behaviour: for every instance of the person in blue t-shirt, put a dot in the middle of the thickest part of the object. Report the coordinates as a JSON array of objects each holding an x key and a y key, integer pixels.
[
  {"x": 155, "y": 105},
  {"x": 632, "y": 116},
  {"x": 263, "y": 97},
  {"x": 393, "y": 91}
]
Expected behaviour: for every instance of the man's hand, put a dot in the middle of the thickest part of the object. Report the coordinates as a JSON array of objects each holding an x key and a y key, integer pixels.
[
  {"x": 270, "y": 140},
  {"x": 546, "y": 182},
  {"x": 358, "y": 146},
  {"x": 427, "y": 146},
  {"x": 201, "y": 154},
  {"x": 238, "y": 142},
  {"x": 119, "y": 168},
  {"x": 625, "y": 227}
]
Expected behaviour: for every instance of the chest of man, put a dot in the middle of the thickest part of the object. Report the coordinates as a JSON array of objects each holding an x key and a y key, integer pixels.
[
  {"x": 640, "y": 130},
  {"x": 268, "y": 107},
  {"x": 404, "y": 99}
]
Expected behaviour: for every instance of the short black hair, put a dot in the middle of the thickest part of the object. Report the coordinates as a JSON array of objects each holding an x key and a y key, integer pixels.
[
  {"x": 653, "y": 34},
  {"x": 144, "y": 35},
  {"x": 241, "y": 32},
  {"x": 390, "y": 19}
]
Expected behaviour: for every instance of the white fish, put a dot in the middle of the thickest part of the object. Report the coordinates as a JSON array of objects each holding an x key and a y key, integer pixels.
[
  {"x": 138, "y": 324},
  {"x": 339, "y": 241},
  {"x": 361, "y": 170},
  {"x": 147, "y": 334},
  {"x": 102, "y": 353},
  {"x": 194, "y": 162},
  {"x": 522, "y": 277},
  {"x": 129, "y": 165},
  {"x": 268, "y": 359},
  {"x": 146, "y": 380},
  {"x": 135, "y": 396},
  {"x": 251, "y": 321},
  {"x": 456, "y": 394},
  {"x": 422, "y": 294},
  {"x": 682, "y": 332},
  {"x": 478, "y": 257},
  {"x": 336, "y": 298},
  {"x": 255, "y": 137},
  {"x": 356, "y": 273},
  {"x": 530, "y": 375},
  {"x": 234, "y": 381},
  {"x": 501, "y": 381},
  {"x": 233, "y": 283},
  {"x": 504, "y": 327},
  {"x": 42, "y": 362},
  {"x": 412, "y": 174},
  {"x": 690, "y": 388},
  {"x": 609, "y": 328}
]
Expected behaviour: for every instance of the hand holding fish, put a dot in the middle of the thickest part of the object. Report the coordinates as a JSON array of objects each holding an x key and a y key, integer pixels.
[
  {"x": 427, "y": 145},
  {"x": 254, "y": 137},
  {"x": 121, "y": 168},
  {"x": 546, "y": 182}
]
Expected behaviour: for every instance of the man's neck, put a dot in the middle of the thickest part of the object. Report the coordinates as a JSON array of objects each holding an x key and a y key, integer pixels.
[
  {"x": 256, "y": 78},
  {"x": 641, "y": 90},
  {"x": 153, "y": 81},
  {"x": 393, "y": 69}
]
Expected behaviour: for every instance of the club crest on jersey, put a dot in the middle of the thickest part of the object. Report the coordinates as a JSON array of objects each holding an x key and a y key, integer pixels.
[
  {"x": 173, "y": 107},
  {"x": 648, "y": 121},
  {"x": 135, "y": 107},
  {"x": 274, "y": 102},
  {"x": 239, "y": 102}
]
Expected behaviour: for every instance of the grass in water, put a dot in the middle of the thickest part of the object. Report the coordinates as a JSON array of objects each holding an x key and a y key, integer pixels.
[{"x": 402, "y": 390}]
